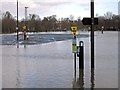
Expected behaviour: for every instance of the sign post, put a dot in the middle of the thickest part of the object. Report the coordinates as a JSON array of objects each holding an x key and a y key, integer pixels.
[
  {"x": 91, "y": 21},
  {"x": 92, "y": 33},
  {"x": 74, "y": 45}
]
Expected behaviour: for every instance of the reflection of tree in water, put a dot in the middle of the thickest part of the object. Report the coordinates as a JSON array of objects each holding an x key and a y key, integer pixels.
[{"x": 78, "y": 83}]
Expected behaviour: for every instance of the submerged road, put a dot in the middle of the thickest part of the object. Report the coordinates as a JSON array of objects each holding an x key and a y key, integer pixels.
[
  {"x": 38, "y": 38},
  {"x": 50, "y": 65}
]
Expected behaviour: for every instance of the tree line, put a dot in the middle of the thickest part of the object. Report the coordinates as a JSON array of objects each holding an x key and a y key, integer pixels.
[{"x": 35, "y": 24}]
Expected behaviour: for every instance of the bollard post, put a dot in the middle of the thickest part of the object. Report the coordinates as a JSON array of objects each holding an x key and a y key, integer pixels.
[{"x": 81, "y": 55}]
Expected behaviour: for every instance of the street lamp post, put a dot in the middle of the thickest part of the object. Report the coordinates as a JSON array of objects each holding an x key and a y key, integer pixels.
[
  {"x": 26, "y": 13},
  {"x": 17, "y": 28},
  {"x": 25, "y": 23}
]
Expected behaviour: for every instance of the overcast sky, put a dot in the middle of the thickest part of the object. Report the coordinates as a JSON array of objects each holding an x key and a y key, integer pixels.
[{"x": 61, "y": 8}]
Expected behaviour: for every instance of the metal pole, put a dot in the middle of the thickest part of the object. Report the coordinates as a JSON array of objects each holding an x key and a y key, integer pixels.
[
  {"x": 25, "y": 23},
  {"x": 17, "y": 22},
  {"x": 26, "y": 13},
  {"x": 81, "y": 55},
  {"x": 75, "y": 57},
  {"x": 75, "y": 64},
  {"x": 92, "y": 33}
]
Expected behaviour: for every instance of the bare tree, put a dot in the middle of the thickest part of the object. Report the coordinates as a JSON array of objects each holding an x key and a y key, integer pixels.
[
  {"x": 8, "y": 23},
  {"x": 108, "y": 15}
]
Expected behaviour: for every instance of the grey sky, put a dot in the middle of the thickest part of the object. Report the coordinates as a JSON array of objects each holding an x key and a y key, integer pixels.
[{"x": 61, "y": 8}]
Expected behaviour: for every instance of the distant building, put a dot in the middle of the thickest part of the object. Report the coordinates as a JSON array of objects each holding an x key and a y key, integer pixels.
[{"x": 119, "y": 8}]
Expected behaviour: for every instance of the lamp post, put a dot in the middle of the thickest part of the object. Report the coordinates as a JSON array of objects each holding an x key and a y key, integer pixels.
[
  {"x": 17, "y": 28},
  {"x": 26, "y": 13},
  {"x": 25, "y": 23}
]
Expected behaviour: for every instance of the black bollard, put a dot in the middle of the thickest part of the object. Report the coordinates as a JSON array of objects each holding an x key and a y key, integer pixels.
[{"x": 81, "y": 55}]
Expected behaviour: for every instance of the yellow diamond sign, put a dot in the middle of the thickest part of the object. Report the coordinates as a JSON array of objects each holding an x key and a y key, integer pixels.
[
  {"x": 74, "y": 28},
  {"x": 24, "y": 27},
  {"x": 74, "y": 33}
]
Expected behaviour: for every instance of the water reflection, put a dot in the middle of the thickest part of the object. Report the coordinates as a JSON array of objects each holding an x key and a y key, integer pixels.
[
  {"x": 18, "y": 45},
  {"x": 81, "y": 78},
  {"x": 78, "y": 83},
  {"x": 74, "y": 83},
  {"x": 17, "y": 69},
  {"x": 92, "y": 79},
  {"x": 18, "y": 74}
]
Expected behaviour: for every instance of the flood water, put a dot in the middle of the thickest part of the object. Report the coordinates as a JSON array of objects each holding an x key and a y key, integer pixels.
[{"x": 47, "y": 61}]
